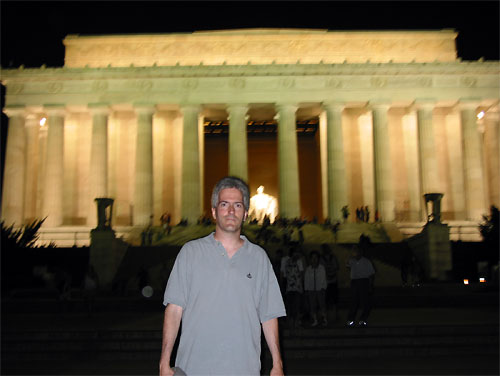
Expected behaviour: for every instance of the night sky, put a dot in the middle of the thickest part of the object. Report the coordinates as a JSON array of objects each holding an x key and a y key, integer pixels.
[{"x": 32, "y": 32}]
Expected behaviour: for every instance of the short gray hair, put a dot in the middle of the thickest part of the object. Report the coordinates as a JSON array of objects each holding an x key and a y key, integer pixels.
[{"x": 231, "y": 182}]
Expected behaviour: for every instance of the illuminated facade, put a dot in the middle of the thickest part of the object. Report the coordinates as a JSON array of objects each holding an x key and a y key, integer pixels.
[{"x": 126, "y": 117}]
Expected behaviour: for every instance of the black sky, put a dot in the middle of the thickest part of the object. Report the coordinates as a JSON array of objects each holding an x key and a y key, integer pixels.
[{"x": 32, "y": 32}]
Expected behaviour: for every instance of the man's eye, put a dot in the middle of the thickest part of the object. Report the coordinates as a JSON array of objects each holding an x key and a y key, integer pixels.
[{"x": 238, "y": 206}]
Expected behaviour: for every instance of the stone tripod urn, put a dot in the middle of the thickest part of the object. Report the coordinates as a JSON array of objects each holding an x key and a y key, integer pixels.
[
  {"x": 104, "y": 213},
  {"x": 435, "y": 199}
]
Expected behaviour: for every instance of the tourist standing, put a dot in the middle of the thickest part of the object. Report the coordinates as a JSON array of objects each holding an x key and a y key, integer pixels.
[
  {"x": 331, "y": 264},
  {"x": 315, "y": 287},
  {"x": 294, "y": 274},
  {"x": 362, "y": 277}
]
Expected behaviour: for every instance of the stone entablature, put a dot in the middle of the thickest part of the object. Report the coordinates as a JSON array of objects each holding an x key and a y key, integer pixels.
[
  {"x": 254, "y": 83},
  {"x": 260, "y": 46}
]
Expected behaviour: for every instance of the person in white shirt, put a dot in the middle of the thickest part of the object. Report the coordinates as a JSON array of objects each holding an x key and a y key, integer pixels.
[
  {"x": 362, "y": 276},
  {"x": 315, "y": 287}
]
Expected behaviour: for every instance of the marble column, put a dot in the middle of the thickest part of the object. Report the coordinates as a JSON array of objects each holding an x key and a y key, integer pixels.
[
  {"x": 190, "y": 181},
  {"x": 238, "y": 154},
  {"x": 427, "y": 149},
  {"x": 14, "y": 169},
  {"x": 492, "y": 146},
  {"x": 98, "y": 174},
  {"x": 32, "y": 167},
  {"x": 337, "y": 187},
  {"x": 288, "y": 162},
  {"x": 54, "y": 167},
  {"x": 143, "y": 186},
  {"x": 384, "y": 191},
  {"x": 474, "y": 183}
]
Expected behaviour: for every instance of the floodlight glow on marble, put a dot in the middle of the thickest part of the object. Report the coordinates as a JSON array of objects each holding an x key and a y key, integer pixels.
[
  {"x": 466, "y": 281},
  {"x": 480, "y": 115},
  {"x": 43, "y": 121},
  {"x": 482, "y": 280}
]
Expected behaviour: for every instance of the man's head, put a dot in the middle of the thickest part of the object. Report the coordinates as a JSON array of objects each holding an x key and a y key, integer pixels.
[
  {"x": 314, "y": 258},
  {"x": 230, "y": 203}
]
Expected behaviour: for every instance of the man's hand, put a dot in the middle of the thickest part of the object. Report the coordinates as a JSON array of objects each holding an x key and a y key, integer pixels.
[
  {"x": 277, "y": 370},
  {"x": 165, "y": 370}
]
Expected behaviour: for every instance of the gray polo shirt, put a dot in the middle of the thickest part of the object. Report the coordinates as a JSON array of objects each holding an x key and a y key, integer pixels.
[{"x": 224, "y": 300}]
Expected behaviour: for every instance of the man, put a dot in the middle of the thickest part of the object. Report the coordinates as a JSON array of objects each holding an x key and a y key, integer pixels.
[
  {"x": 315, "y": 287},
  {"x": 362, "y": 275},
  {"x": 223, "y": 288},
  {"x": 331, "y": 264}
]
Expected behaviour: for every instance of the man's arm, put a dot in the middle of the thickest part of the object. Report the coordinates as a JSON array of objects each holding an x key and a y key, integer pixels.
[
  {"x": 270, "y": 329},
  {"x": 171, "y": 323}
]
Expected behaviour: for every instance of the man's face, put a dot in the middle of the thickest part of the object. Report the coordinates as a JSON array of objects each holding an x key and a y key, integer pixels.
[{"x": 230, "y": 211}]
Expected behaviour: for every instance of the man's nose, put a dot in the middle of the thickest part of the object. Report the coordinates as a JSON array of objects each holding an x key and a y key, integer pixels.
[{"x": 231, "y": 208}]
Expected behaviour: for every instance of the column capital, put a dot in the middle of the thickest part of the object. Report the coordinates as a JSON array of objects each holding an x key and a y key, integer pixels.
[
  {"x": 338, "y": 106},
  {"x": 237, "y": 107},
  {"x": 379, "y": 105},
  {"x": 292, "y": 107},
  {"x": 99, "y": 108},
  {"x": 55, "y": 109},
  {"x": 424, "y": 104},
  {"x": 12, "y": 111},
  {"x": 190, "y": 108},
  {"x": 32, "y": 120},
  {"x": 144, "y": 109}
]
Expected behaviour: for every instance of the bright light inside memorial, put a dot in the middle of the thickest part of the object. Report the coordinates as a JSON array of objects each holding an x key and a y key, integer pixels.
[
  {"x": 466, "y": 281},
  {"x": 480, "y": 115},
  {"x": 482, "y": 280},
  {"x": 263, "y": 205},
  {"x": 43, "y": 121}
]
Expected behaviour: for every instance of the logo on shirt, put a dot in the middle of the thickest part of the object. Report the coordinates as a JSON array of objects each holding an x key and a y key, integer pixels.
[{"x": 249, "y": 275}]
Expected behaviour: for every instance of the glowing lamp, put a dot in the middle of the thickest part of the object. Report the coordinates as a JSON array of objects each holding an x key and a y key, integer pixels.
[
  {"x": 43, "y": 121},
  {"x": 480, "y": 115},
  {"x": 482, "y": 280},
  {"x": 466, "y": 281}
]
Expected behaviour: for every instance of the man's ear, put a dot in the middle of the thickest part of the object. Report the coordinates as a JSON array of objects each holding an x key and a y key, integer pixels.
[
  {"x": 213, "y": 213},
  {"x": 245, "y": 216}
]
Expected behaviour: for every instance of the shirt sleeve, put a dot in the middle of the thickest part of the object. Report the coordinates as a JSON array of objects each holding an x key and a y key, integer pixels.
[
  {"x": 271, "y": 302},
  {"x": 177, "y": 288},
  {"x": 371, "y": 268}
]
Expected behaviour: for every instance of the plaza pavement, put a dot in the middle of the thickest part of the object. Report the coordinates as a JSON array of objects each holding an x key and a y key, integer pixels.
[{"x": 143, "y": 317}]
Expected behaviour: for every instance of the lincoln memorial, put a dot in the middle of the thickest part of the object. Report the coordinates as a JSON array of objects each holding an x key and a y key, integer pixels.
[{"x": 321, "y": 119}]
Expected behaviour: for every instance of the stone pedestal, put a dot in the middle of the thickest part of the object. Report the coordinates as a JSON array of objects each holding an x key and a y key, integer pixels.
[
  {"x": 106, "y": 254},
  {"x": 433, "y": 250}
]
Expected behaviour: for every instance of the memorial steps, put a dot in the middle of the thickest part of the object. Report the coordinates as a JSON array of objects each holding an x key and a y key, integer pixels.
[
  {"x": 434, "y": 320},
  {"x": 338, "y": 342},
  {"x": 69, "y": 236}
]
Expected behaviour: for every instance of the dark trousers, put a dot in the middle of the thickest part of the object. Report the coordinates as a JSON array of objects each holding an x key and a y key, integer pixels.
[{"x": 360, "y": 298}]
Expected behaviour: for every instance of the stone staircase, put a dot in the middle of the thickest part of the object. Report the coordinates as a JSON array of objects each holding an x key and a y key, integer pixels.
[
  {"x": 466, "y": 231},
  {"x": 338, "y": 342}
]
